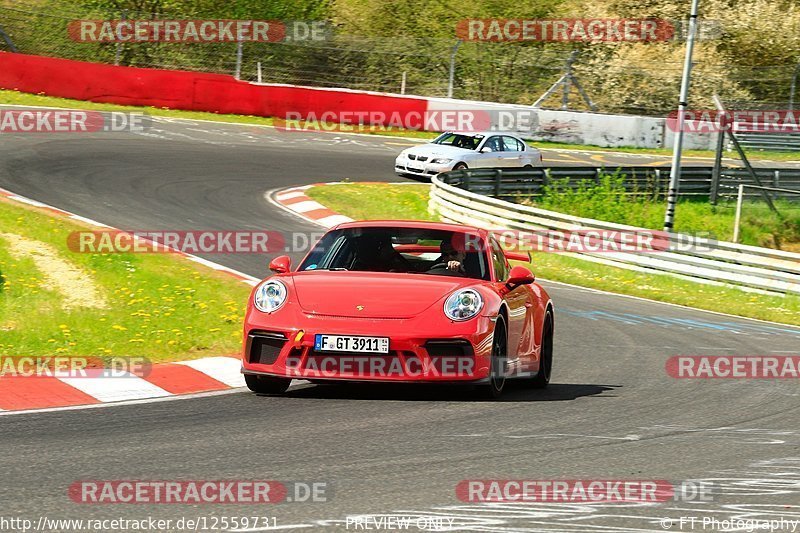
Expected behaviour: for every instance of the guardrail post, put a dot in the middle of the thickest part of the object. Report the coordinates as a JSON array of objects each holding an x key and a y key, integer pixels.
[
  {"x": 738, "y": 216},
  {"x": 547, "y": 178},
  {"x": 465, "y": 179},
  {"x": 498, "y": 179},
  {"x": 658, "y": 183},
  {"x": 776, "y": 181}
]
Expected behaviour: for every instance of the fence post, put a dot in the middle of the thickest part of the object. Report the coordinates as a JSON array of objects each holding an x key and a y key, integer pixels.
[
  {"x": 452, "y": 69},
  {"x": 8, "y": 40},
  {"x": 118, "y": 51},
  {"x": 465, "y": 179},
  {"x": 238, "y": 73},
  {"x": 258, "y": 66},
  {"x": 498, "y": 179},
  {"x": 716, "y": 174}
]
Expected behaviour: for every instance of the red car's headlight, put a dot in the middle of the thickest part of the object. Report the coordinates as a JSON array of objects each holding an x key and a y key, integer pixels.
[
  {"x": 270, "y": 296},
  {"x": 463, "y": 305}
]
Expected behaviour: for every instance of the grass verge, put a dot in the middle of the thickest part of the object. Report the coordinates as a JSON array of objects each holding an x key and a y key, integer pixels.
[
  {"x": 160, "y": 306},
  {"x": 25, "y": 99},
  {"x": 369, "y": 201}
]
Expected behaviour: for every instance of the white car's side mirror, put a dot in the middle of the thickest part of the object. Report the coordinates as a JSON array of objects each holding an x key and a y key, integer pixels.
[{"x": 486, "y": 150}]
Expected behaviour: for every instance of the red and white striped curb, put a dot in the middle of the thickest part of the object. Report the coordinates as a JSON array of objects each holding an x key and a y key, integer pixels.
[
  {"x": 294, "y": 199},
  {"x": 163, "y": 380}
]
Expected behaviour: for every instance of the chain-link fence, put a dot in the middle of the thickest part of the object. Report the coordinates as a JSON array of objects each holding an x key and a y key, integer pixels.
[{"x": 636, "y": 78}]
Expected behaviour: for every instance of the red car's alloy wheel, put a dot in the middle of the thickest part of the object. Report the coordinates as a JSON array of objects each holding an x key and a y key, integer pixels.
[
  {"x": 497, "y": 372},
  {"x": 542, "y": 377}
]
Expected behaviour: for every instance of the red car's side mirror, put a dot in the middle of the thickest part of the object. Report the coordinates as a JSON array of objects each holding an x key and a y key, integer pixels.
[
  {"x": 281, "y": 264},
  {"x": 520, "y": 275}
]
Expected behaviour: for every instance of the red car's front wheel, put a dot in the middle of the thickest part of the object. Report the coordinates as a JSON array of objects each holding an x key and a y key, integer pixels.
[
  {"x": 267, "y": 384},
  {"x": 542, "y": 377},
  {"x": 497, "y": 366}
]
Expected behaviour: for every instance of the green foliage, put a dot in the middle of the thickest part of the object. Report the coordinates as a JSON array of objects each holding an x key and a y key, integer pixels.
[{"x": 609, "y": 200}]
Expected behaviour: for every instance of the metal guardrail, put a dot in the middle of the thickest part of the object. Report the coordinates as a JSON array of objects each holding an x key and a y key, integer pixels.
[
  {"x": 695, "y": 181},
  {"x": 689, "y": 257},
  {"x": 769, "y": 141}
]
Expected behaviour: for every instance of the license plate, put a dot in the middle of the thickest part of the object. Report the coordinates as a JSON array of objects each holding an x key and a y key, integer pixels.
[
  {"x": 351, "y": 343},
  {"x": 413, "y": 169}
]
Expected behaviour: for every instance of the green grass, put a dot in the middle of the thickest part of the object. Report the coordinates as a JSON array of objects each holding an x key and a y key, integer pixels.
[
  {"x": 161, "y": 306},
  {"x": 371, "y": 201},
  {"x": 25, "y": 99},
  {"x": 608, "y": 201}
]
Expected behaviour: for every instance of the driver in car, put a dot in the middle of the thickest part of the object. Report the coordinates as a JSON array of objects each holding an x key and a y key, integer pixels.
[{"x": 452, "y": 256}]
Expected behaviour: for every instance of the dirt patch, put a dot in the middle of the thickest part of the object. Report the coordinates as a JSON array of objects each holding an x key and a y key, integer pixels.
[{"x": 75, "y": 286}]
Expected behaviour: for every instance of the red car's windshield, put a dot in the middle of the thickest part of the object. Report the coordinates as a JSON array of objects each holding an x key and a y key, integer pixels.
[{"x": 410, "y": 250}]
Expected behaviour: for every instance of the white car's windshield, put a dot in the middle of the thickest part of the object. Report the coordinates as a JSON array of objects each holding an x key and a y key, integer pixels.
[{"x": 468, "y": 142}]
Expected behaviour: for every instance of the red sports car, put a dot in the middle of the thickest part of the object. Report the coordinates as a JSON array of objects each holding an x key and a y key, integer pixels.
[{"x": 399, "y": 301}]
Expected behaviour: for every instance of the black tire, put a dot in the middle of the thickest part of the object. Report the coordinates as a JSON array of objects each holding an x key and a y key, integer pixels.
[
  {"x": 460, "y": 166},
  {"x": 497, "y": 378},
  {"x": 542, "y": 377},
  {"x": 267, "y": 384}
]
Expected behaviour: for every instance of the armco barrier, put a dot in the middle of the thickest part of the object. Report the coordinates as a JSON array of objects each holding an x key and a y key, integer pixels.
[
  {"x": 747, "y": 267},
  {"x": 193, "y": 91},
  {"x": 695, "y": 181}
]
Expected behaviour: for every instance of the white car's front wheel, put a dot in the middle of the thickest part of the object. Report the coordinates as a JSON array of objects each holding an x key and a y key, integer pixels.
[{"x": 460, "y": 166}]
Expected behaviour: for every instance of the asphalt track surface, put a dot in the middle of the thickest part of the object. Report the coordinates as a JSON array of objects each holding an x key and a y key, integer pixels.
[{"x": 610, "y": 413}]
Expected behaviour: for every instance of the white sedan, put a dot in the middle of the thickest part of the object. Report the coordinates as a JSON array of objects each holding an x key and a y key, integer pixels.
[{"x": 454, "y": 151}]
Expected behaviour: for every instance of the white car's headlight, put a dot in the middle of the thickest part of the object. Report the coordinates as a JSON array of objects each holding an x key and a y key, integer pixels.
[
  {"x": 441, "y": 161},
  {"x": 463, "y": 304},
  {"x": 270, "y": 296}
]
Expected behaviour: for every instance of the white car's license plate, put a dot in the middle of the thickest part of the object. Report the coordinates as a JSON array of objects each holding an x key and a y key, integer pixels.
[{"x": 351, "y": 343}]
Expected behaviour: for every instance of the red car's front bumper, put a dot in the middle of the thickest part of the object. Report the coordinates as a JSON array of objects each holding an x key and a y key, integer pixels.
[{"x": 420, "y": 350}]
